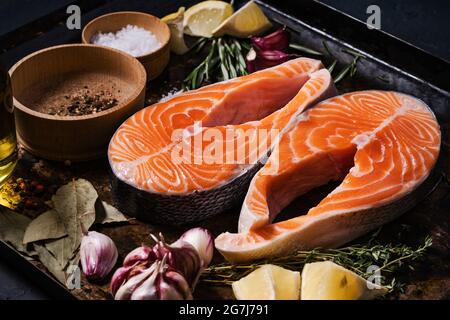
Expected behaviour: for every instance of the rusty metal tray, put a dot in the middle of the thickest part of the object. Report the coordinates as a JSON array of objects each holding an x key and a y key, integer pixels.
[{"x": 389, "y": 63}]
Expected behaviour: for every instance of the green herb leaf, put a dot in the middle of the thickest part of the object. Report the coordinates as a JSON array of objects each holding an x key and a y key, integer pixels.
[
  {"x": 304, "y": 49},
  {"x": 332, "y": 66},
  {"x": 354, "y": 53},
  {"x": 343, "y": 73},
  {"x": 224, "y": 61},
  {"x": 327, "y": 49}
]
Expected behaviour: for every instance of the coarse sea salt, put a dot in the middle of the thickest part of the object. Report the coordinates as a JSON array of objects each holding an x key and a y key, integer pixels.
[{"x": 132, "y": 39}]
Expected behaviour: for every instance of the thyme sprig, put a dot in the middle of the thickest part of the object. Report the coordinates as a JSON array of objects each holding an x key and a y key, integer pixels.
[
  {"x": 358, "y": 258},
  {"x": 225, "y": 60}
]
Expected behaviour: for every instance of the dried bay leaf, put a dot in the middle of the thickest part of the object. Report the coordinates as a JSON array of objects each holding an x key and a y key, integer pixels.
[
  {"x": 50, "y": 262},
  {"x": 106, "y": 213},
  {"x": 61, "y": 250},
  {"x": 75, "y": 204},
  {"x": 12, "y": 228},
  {"x": 46, "y": 226}
]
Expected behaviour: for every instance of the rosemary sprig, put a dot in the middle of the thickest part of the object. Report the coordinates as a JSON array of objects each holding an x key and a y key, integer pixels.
[
  {"x": 225, "y": 60},
  {"x": 350, "y": 69},
  {"x": 332, "y": 66},
  {"x": 327, "y": 49},
  {"x": 354, "y": 53},
  {"x": 357, "y": 258},
  {"x": 383, "y": 79},
  {"x": 304, "y": 49}
]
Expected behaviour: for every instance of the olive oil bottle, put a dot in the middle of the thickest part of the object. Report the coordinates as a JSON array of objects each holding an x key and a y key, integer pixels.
[{"x": 8, "y": 144}]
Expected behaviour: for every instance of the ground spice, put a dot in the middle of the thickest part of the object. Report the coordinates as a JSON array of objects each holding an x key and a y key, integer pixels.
[{"x": 84, "y": 102}]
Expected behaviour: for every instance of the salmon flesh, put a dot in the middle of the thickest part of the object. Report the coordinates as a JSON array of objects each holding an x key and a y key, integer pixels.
[{"x": 382, "y": 146}]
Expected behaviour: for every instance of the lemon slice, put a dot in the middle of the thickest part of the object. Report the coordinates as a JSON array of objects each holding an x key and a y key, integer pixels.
[
  {"x": 286, "y": 283},
  {"x": 175, "y": 23},
  {"x": 174, "y": 15},
  {"x": 268, "y": 282},
  {"x": 248, "y": 21},
  {"x": 201, "y": 19},
  {"x": 258, "y": 285},
  {"x": 329, "y": 281}
]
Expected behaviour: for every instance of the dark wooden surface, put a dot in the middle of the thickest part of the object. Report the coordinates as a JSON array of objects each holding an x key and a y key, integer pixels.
[{"x": 430, "y": 280}]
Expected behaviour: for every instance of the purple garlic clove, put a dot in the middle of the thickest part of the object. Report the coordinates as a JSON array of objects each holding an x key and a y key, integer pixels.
[
  {"x": 163, "y": 284},
  {"x": 278, "y": 40},
  {"x": 203, "y": 241},
  {"x": 98, "y": 255},
  {"x": 139, "y": 255}
]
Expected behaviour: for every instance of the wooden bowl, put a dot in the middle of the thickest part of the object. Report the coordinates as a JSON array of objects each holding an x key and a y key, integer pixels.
[
  {"x": 154, "y": 62},
  {"x": 47, "y": 77}
]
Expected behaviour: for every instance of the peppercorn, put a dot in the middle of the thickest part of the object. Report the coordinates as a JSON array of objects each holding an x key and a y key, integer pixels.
[
  {"x": 39, "y": 188},
  {"x": 30, "y": 204}
]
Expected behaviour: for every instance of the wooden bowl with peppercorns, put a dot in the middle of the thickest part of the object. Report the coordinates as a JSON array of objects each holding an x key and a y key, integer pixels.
[{"x": 69, "y": 99}]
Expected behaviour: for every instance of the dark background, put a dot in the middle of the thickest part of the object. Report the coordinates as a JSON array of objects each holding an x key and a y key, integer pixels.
[{"x": 422, "y": 23}]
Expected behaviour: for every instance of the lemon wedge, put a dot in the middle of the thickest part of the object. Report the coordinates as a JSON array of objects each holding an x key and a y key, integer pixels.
[
  {"x": 174, "y": 15},
  {"x": 328, "y": 281},
  {"x": 175, "y": 23},
  {"x": 268, "y": 282},
  {"x": 201, "y": 19},
  {"x": 248, "y": 21}
]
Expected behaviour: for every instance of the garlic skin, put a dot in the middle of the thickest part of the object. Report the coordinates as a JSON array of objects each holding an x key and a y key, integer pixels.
[
  {"x": 203, "y": 241},
  {"x": 183, "y": 257},
  {"x": 138, "y": 255},
  {"x": 278, "y": 40},
  {"x": 259, "y": 60},
  {"x": 269, "y": 51},
  {"x": 158, "y": 282},
  {"x": 98, "y": 255},
  {"x": 164, "y": 271}
]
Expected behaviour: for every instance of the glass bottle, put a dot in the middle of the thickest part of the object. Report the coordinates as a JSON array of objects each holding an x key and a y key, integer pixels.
[{"x": 8, "y": 143}]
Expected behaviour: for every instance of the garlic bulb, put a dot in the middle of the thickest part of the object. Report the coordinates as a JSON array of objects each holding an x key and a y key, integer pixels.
[
  {"x": 158, "y": 282},
  {"x": 98, "y": 255},
  {"x": 181, "y": 262},
  {"x": 139, "y": 254},
  {"x": 183, "y": 257}
]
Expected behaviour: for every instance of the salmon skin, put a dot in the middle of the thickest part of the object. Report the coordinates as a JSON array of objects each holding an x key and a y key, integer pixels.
[
  {"x": 382, "y": 145},
  {"x": 154, "y": 179}
]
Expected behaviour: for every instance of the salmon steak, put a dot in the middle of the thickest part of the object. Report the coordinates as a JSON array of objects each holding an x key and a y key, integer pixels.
[
  {"x": 166, "y": 160},
  {"x": 382, "y": 146}
]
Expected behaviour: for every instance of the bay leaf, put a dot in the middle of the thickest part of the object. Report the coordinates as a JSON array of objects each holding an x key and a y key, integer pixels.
[
  {"x": 61, "y": 250},
  {"x": 106, "y": 213},
  {"x": 51, "y": 263},
  {"x": 75, "y": 204},
  {"x": 46, "y": 226},
  {"x": 12, "y": 228}
]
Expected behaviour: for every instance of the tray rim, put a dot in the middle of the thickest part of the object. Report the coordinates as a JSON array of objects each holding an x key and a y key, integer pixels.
[
  {"x": 278, "y": 6},
  {"x": 56, "y": 290}
]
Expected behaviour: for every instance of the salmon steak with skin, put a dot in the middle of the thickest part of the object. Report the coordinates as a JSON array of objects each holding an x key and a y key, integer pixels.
[
  {"x": 382, "y": 146},
  {"x": 148, "y": 157}
]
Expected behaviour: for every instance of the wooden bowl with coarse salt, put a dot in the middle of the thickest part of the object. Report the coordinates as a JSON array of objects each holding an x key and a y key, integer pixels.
[{"x": 155, "y": 61}]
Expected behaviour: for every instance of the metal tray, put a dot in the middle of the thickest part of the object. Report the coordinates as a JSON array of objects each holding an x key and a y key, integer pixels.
[{"x": 389, "y": 64}]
